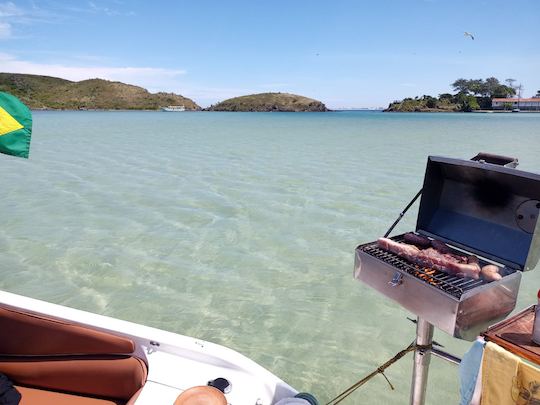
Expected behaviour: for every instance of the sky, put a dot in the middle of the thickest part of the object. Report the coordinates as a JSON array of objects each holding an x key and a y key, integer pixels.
[{"x": 348, "y": 54}]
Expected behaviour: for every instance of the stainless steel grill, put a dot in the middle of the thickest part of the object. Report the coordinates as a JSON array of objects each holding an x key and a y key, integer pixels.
[
  {"x": 477, "y": 208},
  {"x": 482, "y": 207},
  {"x": 462, "y": 307}
]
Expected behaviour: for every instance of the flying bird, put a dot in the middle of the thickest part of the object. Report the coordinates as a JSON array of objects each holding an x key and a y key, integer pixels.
[{"x": 468, "y": 34}]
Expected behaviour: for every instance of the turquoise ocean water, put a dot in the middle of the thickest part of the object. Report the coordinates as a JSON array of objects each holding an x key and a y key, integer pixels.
[{"x": 240, "y": 228}]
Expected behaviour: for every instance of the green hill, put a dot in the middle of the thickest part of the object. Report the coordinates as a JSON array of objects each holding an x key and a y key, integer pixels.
[
  {"x": 423, "y": 104},
  {"x": 270, "y": 102},
  {"x": 44, "y": 92}
]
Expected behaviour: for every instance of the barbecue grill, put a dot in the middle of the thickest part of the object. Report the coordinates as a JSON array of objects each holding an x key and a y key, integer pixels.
[
  {"x": 459, "y": 306},
  {"x": 483, "y": 207}
]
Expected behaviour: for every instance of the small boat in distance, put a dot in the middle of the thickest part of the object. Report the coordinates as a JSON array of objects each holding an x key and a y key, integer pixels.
[{"x": 174, "y": 108}]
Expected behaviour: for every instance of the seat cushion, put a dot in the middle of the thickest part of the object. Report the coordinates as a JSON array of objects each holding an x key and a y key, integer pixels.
[
  {"x": 109, "y": 377},
  {"x": 32, "y": 396},
  {"x": 29, "y": 334}
]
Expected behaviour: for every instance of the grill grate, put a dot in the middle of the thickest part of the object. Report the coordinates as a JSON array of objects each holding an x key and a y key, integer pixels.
[{"x": 453, "y": 285}]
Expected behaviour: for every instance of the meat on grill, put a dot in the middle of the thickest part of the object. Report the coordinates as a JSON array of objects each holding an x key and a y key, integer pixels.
[
  {"x": 430, "y": 257},
  {"x": 490, "y": 272},
  {"x": 417, "y": 240},
  {"x": 472, "y": 259},
  {"x": 422, "y": 242},
  {"x": 440, "y": 246}
]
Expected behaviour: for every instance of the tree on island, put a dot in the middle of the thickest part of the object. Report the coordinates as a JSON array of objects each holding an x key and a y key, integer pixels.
[
  {"x": 471, "y": 94},
  {"x": 484, "y": 91},
  {"x": 508, "y": 106},
  {"x": 467, "y": 103},
  {"x": 511, "y": 82}
]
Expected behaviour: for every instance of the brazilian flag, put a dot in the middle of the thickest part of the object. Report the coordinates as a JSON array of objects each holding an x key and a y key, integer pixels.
[{"x": 15, "y": 126}]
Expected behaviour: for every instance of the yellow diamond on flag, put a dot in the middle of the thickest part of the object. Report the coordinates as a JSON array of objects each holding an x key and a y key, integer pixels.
[
  {"x": 15, "y": 126},
  {"x": 8, "y": 123}
]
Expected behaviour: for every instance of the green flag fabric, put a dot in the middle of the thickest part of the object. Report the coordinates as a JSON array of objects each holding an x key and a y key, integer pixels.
[{"x": 15, "y": 126}]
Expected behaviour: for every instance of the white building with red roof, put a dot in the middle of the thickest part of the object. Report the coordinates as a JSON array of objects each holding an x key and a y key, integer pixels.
[{"x": 529, "y": 104}]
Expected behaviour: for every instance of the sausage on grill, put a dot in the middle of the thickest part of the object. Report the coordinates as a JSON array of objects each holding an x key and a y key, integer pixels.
[{"x": 417, "y": 240}]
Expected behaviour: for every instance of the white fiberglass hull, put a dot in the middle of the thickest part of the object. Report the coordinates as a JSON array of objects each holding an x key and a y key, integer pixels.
[{"x": 175, "y": 362}]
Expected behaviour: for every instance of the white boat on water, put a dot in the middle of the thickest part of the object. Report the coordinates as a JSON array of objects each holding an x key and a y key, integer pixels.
[
  {"x": 174, "y": 108},
  {"x": 59, "y": 355}
]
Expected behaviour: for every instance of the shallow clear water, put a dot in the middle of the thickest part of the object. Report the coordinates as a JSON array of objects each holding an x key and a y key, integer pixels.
[{"x": 240, "y": 228}]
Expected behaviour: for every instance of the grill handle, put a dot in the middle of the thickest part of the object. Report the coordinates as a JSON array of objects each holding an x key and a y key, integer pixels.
[
  {"x": 396, "y": 280},
  {"x": 500, "y": 160}
]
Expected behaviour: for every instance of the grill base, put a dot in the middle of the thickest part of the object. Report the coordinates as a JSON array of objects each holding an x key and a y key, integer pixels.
[{"x": 424, "y": 336}]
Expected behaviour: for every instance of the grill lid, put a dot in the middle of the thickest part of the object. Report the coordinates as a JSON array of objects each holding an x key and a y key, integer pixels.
[{"x": 485, "y": 208}]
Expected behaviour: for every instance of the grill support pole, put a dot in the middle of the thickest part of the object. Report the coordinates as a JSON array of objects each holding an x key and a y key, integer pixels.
[{"x": 424, "y": 336}]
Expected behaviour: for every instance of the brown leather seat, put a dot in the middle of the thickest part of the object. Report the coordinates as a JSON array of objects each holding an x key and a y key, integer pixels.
[
  {"x": 202, "y": 395},
  {"x": 113, "y": 377},
  {"x": 32, "y": 396},
  {"x": 58, "y": 362},
  {"x": 28, "y": 334}
]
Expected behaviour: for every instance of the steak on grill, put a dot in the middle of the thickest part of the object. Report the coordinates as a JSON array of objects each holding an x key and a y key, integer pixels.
[{"x": 430, "y": 257}]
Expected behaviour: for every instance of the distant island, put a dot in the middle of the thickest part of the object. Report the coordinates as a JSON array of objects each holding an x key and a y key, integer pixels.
[
  {"x": 53, "y": 93},
  {"x": 471, "y": 95},
  {"x": 267, "y": 102},
  {"x": 45, "y": 92}
]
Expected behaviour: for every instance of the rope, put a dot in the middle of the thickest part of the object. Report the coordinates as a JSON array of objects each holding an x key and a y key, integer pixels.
[{"x": 379, "y": 370}]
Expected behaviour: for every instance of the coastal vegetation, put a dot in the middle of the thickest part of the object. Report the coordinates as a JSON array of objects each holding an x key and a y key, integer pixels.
[
  {"x": 265, "y": 102},
  {"x": 470, "y": 95},
  {"x": 45, "y": 92}
]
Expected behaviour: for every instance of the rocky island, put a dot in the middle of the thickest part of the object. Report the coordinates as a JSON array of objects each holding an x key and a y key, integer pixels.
[
  {"x": 471, "y": 95},
  {"x": 266, "y": 102},
  {"x": 45, "y": 92}
]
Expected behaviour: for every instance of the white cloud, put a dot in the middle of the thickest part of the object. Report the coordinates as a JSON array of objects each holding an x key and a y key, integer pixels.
[
  {"x": 148, "y": 77},
  {"x": 9, "y": 9},
  {"x": 93, "y": 7},
  {"x": 5, "y": 30},
  {"x": 11, "y": 15}
]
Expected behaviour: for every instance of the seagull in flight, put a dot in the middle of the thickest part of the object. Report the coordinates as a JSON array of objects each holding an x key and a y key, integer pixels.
[{"x": 468, "y": 34}]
